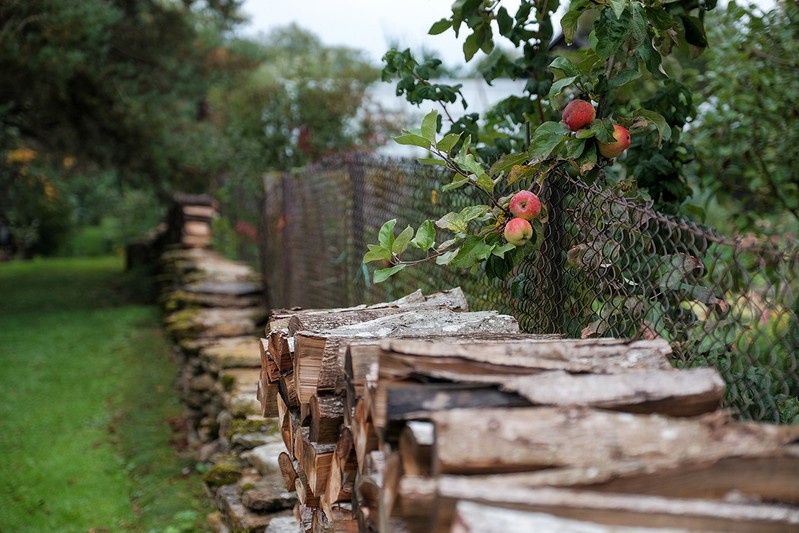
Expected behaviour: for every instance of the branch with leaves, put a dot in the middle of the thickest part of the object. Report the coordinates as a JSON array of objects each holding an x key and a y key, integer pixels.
[{"x": 628, "y": 41}]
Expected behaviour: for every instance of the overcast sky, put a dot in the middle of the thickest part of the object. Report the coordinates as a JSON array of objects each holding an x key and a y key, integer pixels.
[{"x": 369, "y": 25}]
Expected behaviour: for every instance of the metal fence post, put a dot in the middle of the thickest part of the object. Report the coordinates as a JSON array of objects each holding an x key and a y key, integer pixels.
[{"x": 357, "y": 181}]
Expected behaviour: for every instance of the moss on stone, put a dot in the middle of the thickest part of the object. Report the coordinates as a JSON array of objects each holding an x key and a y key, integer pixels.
[{"x": 223, "y": 473}]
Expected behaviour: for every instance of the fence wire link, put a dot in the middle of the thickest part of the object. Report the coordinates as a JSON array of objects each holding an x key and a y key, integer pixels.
[{"x": 608, "y": 267}]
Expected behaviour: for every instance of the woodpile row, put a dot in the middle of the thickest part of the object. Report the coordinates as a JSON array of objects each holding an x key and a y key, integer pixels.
[
  {"x": 420, "y": 416},
  {"x": 213, "y": 312}
]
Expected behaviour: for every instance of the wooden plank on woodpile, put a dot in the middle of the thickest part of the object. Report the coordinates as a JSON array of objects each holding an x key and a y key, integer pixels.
[
  {"x": 288, "y": 470},
  {"x": 747, "y": 475},
  {"x": 342, "y": 471},
  {"x": 416, "y": 448},
  {"x": 393, "y": 402},
  {"x": 364, "y": 436},
  {"x": 628, "y": 510},
  {"x": 279, "y": 355},
  {"x": 472, "y": 517},
  {"x": 197, "y": 228},
  {"x": 305, "y": 494},
  {"x": 688, "y": 392},
  {"x": 327, "y": 415},
  {"x": 198, "y": 211},
  {"x": 481, "y": 441},
  {"x": 316, "y": 461},
  {"x": 338, "y": 520},
  {"x": 288, "y": 419},
  {"x": 484, "y": 361},
  {"x": 267, "y": 394},
  {"x": 213, "y": 322},
  {"x": 452, "y": 300},
  {"x": 310, "y": 346}
]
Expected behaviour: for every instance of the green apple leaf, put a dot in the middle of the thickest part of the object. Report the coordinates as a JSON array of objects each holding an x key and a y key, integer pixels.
[
  {"x": 376, "y": 253},
  {"x": 506, "y": 162},
  {"x": 440, "y": 27},
  {"x": 558, "y": 86},
  {"x": 521, "y": 172},
  {"x": 564, "y": 65},
  {"x": 412, "y": 139},
  {"x": 432, "y": 161},
  {"x": 473, "y": 251},
  {"x": 402, "y": 241},
  {"x": 500, "y": 251},
  {"x": 425, "y": 236},
  {"x": 473, "y": 212},
  {"x": 459, "y": 180},
  {"x": 448, "y": 142},
  {"x": 453, "y": 222},
  {"x": 446, "y": 257},
  {"x": 384, "y": 273},
  {"x": 504, "y": 21},
  {"x": 386, "y": 235},
  {"x": 618, "y": 7},
  {"x": 574, "y": 148},
  {"x": 664, "y": 131},
  {"x": 624, "y": 77},
  {"x": 429, "y": 123},
  {"x": 603, "y": 130},
  {"x": 485, "y": 182},
  {"x": 546, "y": 138}
]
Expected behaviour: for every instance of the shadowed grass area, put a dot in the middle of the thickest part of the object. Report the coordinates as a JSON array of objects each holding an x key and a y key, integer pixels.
[{"x": 85, "y": 404}]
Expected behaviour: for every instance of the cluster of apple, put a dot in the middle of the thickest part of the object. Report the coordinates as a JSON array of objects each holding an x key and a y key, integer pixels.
[
  {"x": 579, "y": 114},
  {"x": 524, "y": 206}
]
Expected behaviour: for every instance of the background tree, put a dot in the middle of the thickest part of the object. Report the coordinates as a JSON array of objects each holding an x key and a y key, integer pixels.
[{"x": 748, "y": 125}]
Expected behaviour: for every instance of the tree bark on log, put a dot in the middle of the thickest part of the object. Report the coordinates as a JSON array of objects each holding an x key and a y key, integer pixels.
[{"x": 479, "y": 441}]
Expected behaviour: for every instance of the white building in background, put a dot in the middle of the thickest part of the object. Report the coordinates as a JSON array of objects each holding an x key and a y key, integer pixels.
[{"x": 478, "y": 94}]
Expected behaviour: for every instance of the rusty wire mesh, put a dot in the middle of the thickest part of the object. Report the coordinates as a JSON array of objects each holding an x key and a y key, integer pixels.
[{"x": 608, "y": 267}]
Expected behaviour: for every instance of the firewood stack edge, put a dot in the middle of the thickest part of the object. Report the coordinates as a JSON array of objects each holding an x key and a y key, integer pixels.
[{"x": 418, "y": 415}]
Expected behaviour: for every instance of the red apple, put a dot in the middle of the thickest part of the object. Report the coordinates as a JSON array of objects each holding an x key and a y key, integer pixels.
[
  {"x": 518, "y": 231},
  {"x": 525, "y": 204},
  {"x": 622, "y": 142},
  {"x": 578, "y": 114}
]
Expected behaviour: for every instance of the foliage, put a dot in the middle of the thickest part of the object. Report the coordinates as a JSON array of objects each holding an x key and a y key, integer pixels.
[
  {"x": 747, "y": 129},
  {"x": 107, "y": 81},
  {"x": 107, "y": 96},
  {"x": 85, "y": 424},
  {"x": 128, "y": 101},
  {"x": 303, "y": 100},
  {"x": 521, "y": 145}
]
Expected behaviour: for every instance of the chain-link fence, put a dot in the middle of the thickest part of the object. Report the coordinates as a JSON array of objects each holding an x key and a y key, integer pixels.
[{"x": 607, "y": 267}]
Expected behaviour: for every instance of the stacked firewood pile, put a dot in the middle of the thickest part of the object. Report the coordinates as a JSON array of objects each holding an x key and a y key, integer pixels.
[
  {"x": 420, "y": 416},
  {"x": 213, "y": 311}
]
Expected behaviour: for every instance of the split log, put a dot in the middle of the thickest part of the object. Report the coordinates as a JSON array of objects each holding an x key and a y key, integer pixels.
[
  {"x": 316, "y": 461},
  {"x": 416, "y": 448},
  {"x": 305, "y": 494},
  {"x": 288, "y": 470},
  {"x": 472, "y": 517},
  {"x": 392, "y": 403},
  {"x": 289, "y": 421},
  {"x": 267, "y": 394},
  {"x": 480, "y": 441},
  {"x": 746, "y": 475},
  {"x": 688, "y": 392},
  {"x": 343, "y": 471},
  {"x": 615, "y": 509},
  {"x": 476, "y": 362},
  {"x": 327, "y": 415},
  {"x": 310, "y": 346},
  {"x": 325, "y": 320}
]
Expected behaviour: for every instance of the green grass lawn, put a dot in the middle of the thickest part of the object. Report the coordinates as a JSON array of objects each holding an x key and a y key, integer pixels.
[{"x": 85, "y": 404}]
